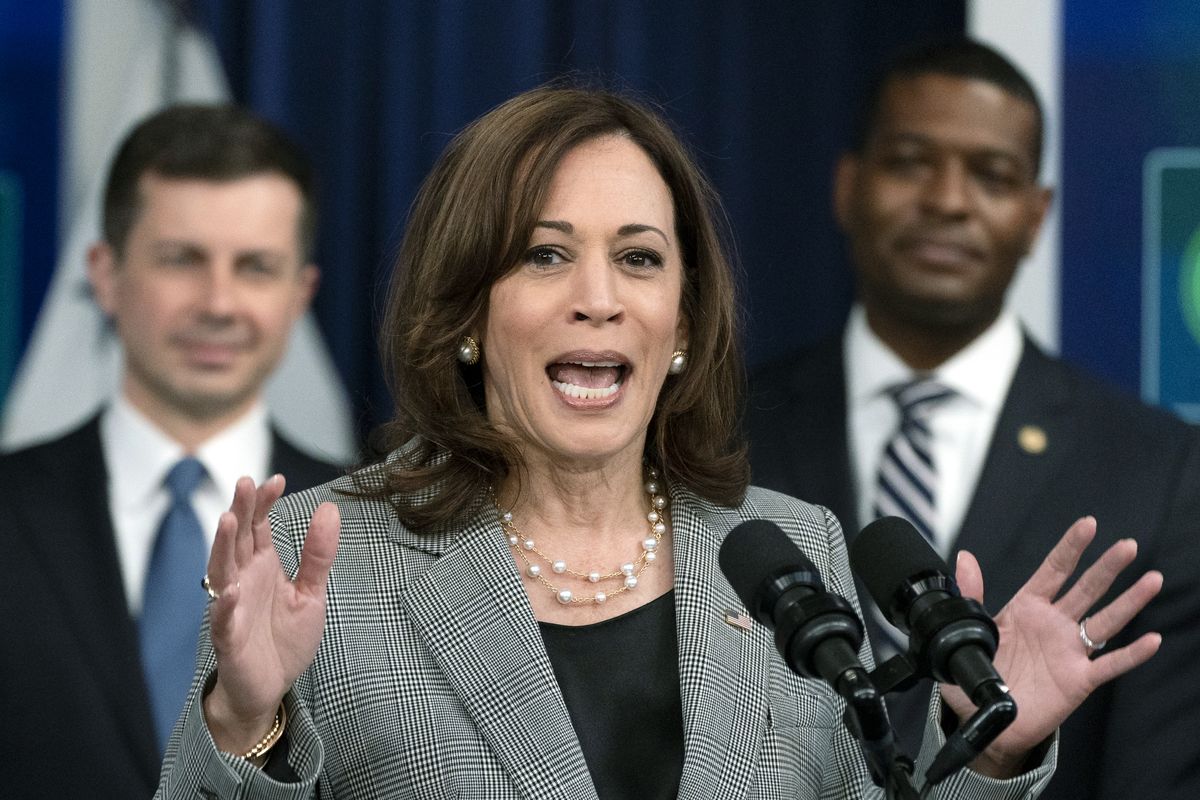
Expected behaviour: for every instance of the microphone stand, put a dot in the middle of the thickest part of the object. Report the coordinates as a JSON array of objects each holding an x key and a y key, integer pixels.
[
  {"x": 995, "y": 711},
  {"x": 866, "y": 719},
  {"x": 801, "y": 626}
]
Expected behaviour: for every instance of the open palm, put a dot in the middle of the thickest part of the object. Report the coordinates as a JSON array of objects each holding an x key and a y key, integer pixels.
[
  {"x": 265, "y": 627},
  {"x": 1041, "y": 654}
]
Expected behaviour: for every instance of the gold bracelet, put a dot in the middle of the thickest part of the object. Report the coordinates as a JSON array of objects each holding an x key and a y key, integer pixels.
[{"x": 257, "y": 755}]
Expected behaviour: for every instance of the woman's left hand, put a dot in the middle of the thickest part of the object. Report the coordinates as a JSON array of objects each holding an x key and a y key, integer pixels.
[{"x": 1042, "y": 656}]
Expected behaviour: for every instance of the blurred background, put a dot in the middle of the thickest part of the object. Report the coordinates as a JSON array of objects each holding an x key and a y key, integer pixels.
[{"x": 763, "y": 91}]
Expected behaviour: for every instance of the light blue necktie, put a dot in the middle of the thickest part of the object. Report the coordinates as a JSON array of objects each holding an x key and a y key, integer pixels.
[{"x": 172, "y": 606}]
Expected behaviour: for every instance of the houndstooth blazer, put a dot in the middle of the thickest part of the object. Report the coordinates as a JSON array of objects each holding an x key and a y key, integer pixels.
[{"x": 432, "y": 681}]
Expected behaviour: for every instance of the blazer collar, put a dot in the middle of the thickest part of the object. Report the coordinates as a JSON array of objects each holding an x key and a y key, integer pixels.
[
  {"x": 473, "y": 614},
  {"x": 472, "y": 611},
  {"x": 721, "y": 665}
]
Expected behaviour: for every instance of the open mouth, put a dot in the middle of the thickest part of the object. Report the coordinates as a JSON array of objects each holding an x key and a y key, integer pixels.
[{"x": 587, "y": 380}]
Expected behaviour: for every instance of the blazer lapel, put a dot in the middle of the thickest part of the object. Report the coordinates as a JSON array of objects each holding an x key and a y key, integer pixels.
[
  {"x": 720, "y": 665},
  {"x": 473, "y": 614},
  {"x": 1029, "y": 446}
]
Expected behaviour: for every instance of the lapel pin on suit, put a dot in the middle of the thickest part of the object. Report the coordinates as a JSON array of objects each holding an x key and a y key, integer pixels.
[
  {"x": 1032, "y": 439},
  {"x": 738, "y": 619}
]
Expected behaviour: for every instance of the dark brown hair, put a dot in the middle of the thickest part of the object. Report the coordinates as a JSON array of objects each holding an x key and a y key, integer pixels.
[
  {"x": 207, "y": 142},
  {"x": 470, "y": 224}
]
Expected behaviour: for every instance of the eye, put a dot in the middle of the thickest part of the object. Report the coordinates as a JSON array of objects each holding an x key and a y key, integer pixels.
[
  {"x": 997, "y": 179},
  {"x": 641, "y": 259},
  {"x": 179, "y": 258},
  {"x": 257, "y": 267},
  {"x": 544, "y": 257},
  {"x": 905, "y": 163}
]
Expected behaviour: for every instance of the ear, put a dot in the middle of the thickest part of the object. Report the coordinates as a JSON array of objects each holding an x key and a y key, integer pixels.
[
  {"x": 682, "y": 333},
  {"x": 101, "y": 271},
  {"x": 1040, "y": 206},
  {"x": 308, "y": 279},
  {"x": 845, "y": 175}
]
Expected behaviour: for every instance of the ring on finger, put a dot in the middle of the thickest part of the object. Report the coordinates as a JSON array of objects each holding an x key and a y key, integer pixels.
[
  {"x": 206, "y": 585},
  {"x": 1092, "y": 647}
]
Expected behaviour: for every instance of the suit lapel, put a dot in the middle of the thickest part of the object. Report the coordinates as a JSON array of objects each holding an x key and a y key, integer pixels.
[
  {"x": 720, "y": 665},
  {"x": 302, "y": 472},
  {"x": 74, "y": 543},
  {"x": 810, "y": 423},
  {"x": 1029, "y": 446},
  {"x": 473, "y": 614}
]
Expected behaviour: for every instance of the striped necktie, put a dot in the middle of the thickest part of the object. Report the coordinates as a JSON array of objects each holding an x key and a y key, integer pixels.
[
  {"x": 907, "y": 482},
  {"x": 172, "y": 607}
]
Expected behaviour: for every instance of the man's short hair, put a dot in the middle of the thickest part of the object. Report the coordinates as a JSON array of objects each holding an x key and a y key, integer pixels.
[
  {"x": 958, "y": 57},
  {"x": 205, "y": 142}
]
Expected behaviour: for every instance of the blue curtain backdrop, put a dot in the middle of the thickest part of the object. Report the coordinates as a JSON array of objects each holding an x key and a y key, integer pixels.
[{"x": 763, "y": 91}]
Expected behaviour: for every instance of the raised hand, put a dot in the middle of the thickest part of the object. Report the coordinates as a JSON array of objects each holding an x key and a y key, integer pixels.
[
  {"x": 1041, "y": 655},
  {"x": 265, "y": 627}
]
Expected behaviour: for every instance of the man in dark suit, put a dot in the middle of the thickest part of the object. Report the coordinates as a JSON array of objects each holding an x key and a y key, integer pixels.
[
  {"x": 203, "y": 269},
  {"x": 940, "y": 201}
]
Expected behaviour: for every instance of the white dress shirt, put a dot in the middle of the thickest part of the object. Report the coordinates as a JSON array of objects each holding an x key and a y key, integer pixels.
[
  {"x": 138, "y": 456},
  {"x": 961, "y": 426}
]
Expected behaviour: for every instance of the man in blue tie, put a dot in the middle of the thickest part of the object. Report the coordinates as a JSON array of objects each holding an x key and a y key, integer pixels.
[
  {"x": 203, "y": 269},
  {"x": 934, "y": 404}
]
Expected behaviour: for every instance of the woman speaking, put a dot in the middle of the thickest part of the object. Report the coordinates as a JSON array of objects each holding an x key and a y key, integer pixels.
[{"x": 523, "y": 598}]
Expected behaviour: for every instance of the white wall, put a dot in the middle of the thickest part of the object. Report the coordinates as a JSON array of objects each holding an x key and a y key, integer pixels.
[{"x": 1030, "y": 33}]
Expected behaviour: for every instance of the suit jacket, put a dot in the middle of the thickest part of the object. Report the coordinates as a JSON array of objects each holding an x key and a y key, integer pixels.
[
  {"x": 1136, "y": 469},
  {"x": 75, "y": 713},
  {"x": 432, "y": 680}
]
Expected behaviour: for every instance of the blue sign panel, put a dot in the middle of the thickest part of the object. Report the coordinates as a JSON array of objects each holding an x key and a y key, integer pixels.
[{"x": 1171, "y": 281}]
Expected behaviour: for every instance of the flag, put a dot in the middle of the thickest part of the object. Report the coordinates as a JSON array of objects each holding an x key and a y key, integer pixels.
[{"x": 126, "y": 59}]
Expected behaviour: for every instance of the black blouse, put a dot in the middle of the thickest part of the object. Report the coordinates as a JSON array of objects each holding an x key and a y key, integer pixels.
[{"x": 620, "y": 680}]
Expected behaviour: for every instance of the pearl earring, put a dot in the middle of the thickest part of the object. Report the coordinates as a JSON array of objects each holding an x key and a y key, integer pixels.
[
  {"x": 678, "y": 362},
  {"x": 468, "y": 350}
]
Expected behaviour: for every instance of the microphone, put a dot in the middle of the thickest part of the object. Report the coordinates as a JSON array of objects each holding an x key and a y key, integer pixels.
[
  {"x": 817, "y": 633},
  {"x": 951, "y": 638}
]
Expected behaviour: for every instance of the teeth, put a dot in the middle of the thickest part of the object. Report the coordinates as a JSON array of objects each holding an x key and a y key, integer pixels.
[
  {"x": 597, "y": 363},
  {"x": 584, "y": 392}
]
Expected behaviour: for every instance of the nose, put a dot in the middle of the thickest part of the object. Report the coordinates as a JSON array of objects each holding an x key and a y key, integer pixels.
[
  {"x": 219, "y": 291},
  {"x": 596, "y": 290},
  {"x": 948, "y": 191}
]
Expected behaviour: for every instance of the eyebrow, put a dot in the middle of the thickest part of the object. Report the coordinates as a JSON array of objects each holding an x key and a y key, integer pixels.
[
  {"x": 985, "y": 151},
  {"x": 171, "y": 245},
  {"x": 625, "y": 230}
]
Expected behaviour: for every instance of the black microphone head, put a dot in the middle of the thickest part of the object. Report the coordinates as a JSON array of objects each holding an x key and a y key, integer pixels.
[
  {"x": 754, "y": 555},
  {"x": 890, "y": 553}
]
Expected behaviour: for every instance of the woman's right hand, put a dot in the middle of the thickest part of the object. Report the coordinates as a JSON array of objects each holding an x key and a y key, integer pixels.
[{"x": 265, "y": 628}]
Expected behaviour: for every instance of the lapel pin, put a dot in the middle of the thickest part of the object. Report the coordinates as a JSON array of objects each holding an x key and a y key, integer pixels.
[
  {"x": 1032, "y": 439},
  {"x": 738, "y": 620}
]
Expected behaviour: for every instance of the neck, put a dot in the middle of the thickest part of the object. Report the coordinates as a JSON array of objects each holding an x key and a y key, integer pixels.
[
  {"x": 589, "y": 543},
  {"x": 593, "y": 503},
  {"x": 924, "y": 348},
  {"x": 188, "y": 429}
]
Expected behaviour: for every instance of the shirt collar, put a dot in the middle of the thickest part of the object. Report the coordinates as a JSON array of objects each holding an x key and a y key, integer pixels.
[
  {"x": 139, "y": 454},
  {"x": 244, "y": 448},
  {"x": 981, "y": 372}
]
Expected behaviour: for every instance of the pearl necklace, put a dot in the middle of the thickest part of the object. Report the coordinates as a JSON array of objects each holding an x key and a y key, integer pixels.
[{"x": 628, "y": 573}]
